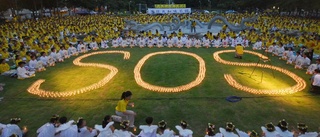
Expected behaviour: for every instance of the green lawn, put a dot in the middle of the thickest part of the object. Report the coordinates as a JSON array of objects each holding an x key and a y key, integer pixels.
[{"x": 198, "y": 106}]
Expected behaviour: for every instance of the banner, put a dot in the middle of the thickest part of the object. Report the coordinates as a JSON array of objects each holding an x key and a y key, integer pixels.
[
  {"x": 153, "y": 11},
  {"x": 169, "y": 6}
]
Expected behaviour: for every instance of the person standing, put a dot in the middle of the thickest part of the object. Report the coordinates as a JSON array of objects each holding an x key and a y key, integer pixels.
[
  {"x": 193, "y": 26},
  {"x": 121, "y": 108}
]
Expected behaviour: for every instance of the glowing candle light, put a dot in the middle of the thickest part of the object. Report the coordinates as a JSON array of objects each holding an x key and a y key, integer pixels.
[
  {"x": 35, "y": 87},
  {"x": 197, "y": 81},
  {"x": 301, "y": 84}
]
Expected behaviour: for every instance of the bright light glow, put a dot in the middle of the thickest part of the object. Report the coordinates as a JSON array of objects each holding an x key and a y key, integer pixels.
[
  {"x": 301, "y": 84},
  {"x": 35, "y": 87},
  {"x": 197, "y": 81}
]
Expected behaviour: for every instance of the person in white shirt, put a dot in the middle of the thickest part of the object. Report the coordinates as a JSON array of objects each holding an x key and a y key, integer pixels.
[
  {"x": 93, "y": 44},
  {"x": 315, "y": 81},
  {"x": 217, "y": 42},
  {"x": 64, "y": 53},
  {"x": 179, "y": 43},
  {"x": 104, "y": 43},
  {"x": 197, "y": 43},
  {"x": 73, "y": 50},
  {"x": 245, "y": 42},
  {"x": 124, "y": 42},
  {"x": 249, "y": 134},
  {"x": 164, "y": 131},
  {"x": 271, "y": 48},
  {"x": 257, "y": 45},
  {"x": 183, "y": 131},
  {"x": 234, "y": 42},
  {"x": 302, "y": 131},
  {"x": 82, "y": 47},
  {"x": 164, "y": 41},
  {"x": 150, "y": 42},
  {"x": 313, "y": 67},
  {"x": 132, "y": 42},
  {"x": 278, "y": 51},
  {"x": 106, "y": 129},
  {"x": 294, "y": 58},
  {"x": 67, "y": 129},
  {"x": 22, "y": 72},
  {"x": 170, "y": 42},
  {"x": 269, "y": 131},
  {"x": 160, "y": 42},
  {"x": 287, "y": 54},
  {"x": 210, "y": 131},
  {"x": 142, "y": 42},
  {"x": 282, "y": 129},
  {"x": 155, "y": 40},
  {"x": 184, "y": 39},
  {"x": 48, "y": 129},
  {"x": 148, "y": 130},
  {"x": 225, "y": 42},
  {"x": 188, "y": 43},
  {"x": 83, "y": 130},
  {"x": 13, "y": 129},
  {"x": 35, "y": 65},
  {"x": 206, "y": 42},
  {"x": 123, "y": 132},
  {"x": 228, "y": 131},
  {"x": 303, "y": 63},
  {"x": 56, "y": 56},
  {"x": 115, "y": 43}
]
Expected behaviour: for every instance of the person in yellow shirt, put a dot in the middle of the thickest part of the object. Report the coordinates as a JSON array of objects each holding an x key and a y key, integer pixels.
[
  {"x": 121, "y": 108},
  {"x": 4, "y": 67},
  {"x": 239, "y": 51},
  {"x": 5, "y": 54}
]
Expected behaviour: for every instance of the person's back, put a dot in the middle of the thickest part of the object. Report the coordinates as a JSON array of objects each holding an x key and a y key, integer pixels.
[{"x": 239, "y": 49}]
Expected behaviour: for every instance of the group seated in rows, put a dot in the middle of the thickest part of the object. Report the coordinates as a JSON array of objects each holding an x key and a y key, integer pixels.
[{"x": 60, "y": 126}]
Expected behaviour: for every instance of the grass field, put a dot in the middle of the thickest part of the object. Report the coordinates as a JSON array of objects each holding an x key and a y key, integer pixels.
[{"x": 198, "y": 106}]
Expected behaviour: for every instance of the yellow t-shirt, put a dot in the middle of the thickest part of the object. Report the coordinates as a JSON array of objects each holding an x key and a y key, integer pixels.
[
  {"x": 239, "y": 50},
  {"x": 122, "y": 105},
  {"x": 4, "y": 67}
]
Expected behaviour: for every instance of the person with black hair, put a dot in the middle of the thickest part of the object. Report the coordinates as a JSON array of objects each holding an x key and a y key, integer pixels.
[
  {"x": 121, "y": 109},
  {"x": 123, "y": 132},
  {"x": 228, "y": 131},
  {"x": 210, "y": 131},
  {"x": 22, "y": 71},
  {"x": 67, "y": 129},
  {"x": 56, "y": 56},
  {"x": 13, "y": 129},
  {"x": 148, "y": 130},
  {"x": 282, "y": 129},
  {"x": 163, "y": 130},
  {"x": 83, "y": 130},
  {"x": 302, "y": 131},
  {"x": 48, "y": 129},
  {"x": 106, "y": 129},
  {"x": 269, "y": 130},
  {"x": 183, "y": 131}
]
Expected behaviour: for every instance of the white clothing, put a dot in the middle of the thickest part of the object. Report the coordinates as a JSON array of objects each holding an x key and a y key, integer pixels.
[
  {"x": 82, "y": 48},
  {"x": 309, "y": 134},
  {"x": 269, "y": 134},
  {"x": 106, "y": 131},
  {"x": 56, "y": 57},
  {"x": 284, "y": 133},
  {"x": 316, "y": 80},
  {"x": 124, "y": 43},
  {"x": 115, "y": 43},
  {"x": 227, "y": 134},
  {"x": 170, "y": 42},
  {"x": 206, "y": 43},
  {"x": 233, "y": 42},
  {"x": 94, "y": 45},
  {"x": 179, "y": 43},
  {"x": 150, "y": 43},
  {"x": 72, "y": 51},
  {"x": 184, "y": 132},
  {"x": 10, "y": 129},
  {"x": 217, "y": 43},
  {"x": 84, "y": 132},
  {"x": 67, "y": 130},
  {"x": 46, "y": 130},
  {"x": 64, "y": 53},
  {"x": 225, "y": 42},
  {"x": 129, "y": 116},
  {"x": 311, "y": 68},
  {"x": 121, "y": 133},
  {"x": 241, "y": 133},
  {"x": 159, "y": 44},
  {"x": 23, "y": 73},
  {"x": 104, "y": 44},
  {"x": 257, "y": 45},
  {"x": 166, "y": 133},
  {"x": 245, "y": 43},
  {"x": 148, "y": 131},
  {"x": 188, "y": 43},
  {"x": 216, "y": 135}
]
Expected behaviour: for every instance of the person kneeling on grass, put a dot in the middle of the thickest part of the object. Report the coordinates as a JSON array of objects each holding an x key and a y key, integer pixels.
[
  {"x": 148, "y": 130},
  {"x": 228, "y": 131},
  {"x": 121, "y": 109},
  {"x": 183, "y": 131},
  {"x": 315, "y": 81},
  {"x": 164, "y": 131},
  {"x": 22, "y": 72},
  {"x": 239, "y": 51},
  {"x": 123, "y": 132}
]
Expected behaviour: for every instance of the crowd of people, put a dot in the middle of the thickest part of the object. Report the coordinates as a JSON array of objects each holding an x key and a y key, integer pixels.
[{"x": 61, "y": 127}]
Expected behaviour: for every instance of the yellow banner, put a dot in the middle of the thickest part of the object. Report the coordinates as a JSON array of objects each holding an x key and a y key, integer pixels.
[{"x": 169, "y": 6}]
